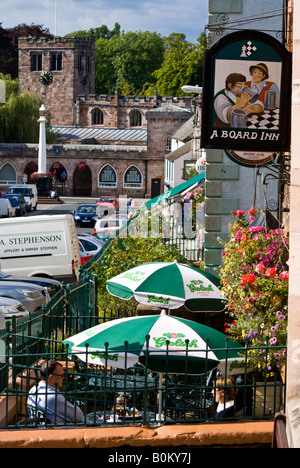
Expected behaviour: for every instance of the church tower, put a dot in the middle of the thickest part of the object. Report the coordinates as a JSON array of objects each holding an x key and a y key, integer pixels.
[{"x": 59, "y": 70}]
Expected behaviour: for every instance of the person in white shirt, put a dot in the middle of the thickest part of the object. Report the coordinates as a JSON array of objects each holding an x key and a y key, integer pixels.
[{"x": 47, "y": 398}]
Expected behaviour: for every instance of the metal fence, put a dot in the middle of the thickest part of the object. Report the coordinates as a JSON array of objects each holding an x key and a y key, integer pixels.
[{"x": 107, "y": 395}]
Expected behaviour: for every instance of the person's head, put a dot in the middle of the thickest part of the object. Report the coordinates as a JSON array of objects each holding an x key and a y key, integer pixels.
[
  {"x": 52, "y": 372},
  {"x": 224, "y": 389},
  {"x": 235, "y": 81},
  {"x": 259, "y": 72}
]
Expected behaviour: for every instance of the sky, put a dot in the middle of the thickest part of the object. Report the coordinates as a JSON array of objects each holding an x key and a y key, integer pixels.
[{"x": 161, "y": 16}]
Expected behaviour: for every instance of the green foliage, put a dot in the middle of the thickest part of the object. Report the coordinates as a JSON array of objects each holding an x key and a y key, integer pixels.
[
  {"x": 123, "y": 254},
  {"x": 128, "y": 60},
  {"x": 254, "y": 280},
  {"x": 183, "y": 64},
  {"x": 19, "y": 115},
  {"x": 102, "y": 32}
]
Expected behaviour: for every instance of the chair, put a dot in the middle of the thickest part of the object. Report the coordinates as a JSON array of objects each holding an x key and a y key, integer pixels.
[{"x": 34, "y": 418}]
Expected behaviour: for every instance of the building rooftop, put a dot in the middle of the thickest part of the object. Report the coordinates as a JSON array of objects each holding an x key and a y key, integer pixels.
[{"x": 97, "y": 133}]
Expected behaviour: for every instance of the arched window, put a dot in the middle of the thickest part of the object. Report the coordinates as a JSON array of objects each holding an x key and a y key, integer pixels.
[
  {"x": 135, "y": 118},
  {"x": 107, "y": 177},
  {"x": 133, "y": 178},
  {"x": 8, "y": 175},
  {"x": 97, "y": 116}
]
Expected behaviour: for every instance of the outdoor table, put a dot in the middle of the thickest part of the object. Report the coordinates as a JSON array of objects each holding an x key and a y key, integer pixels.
[
  {"x": 109, "y": 417},
  {"x": 113, "y": 382}
]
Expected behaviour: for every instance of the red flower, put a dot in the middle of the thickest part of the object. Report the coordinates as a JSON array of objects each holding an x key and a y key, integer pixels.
[
  {"x": 271, "y": 272},
  {"x": 248, "y": 279}
]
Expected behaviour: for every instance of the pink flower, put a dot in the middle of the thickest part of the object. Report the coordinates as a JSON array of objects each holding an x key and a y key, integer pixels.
[
  {"x": 260, "y": 268},
  {"x": 284, "y": 276}
]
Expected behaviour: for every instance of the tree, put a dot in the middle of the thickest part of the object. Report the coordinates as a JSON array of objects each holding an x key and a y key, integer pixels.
[
  {"x": 19, "y": 115},
  {"x": 183, "y": 64},
  {"x": 9, "y": 45},
  {"x": 103, "y": 32},
  {"x": 133, "y": 56}
]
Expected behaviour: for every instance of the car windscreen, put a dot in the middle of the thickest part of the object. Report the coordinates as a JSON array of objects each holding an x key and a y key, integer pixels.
[
  {"x": 87, "y": 209},
  {"x": 26, "y": 192}
]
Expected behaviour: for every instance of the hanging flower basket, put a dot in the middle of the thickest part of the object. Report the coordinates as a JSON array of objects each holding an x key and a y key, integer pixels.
[
  {"x": 41, "y": 175},
  {"x": 81, "y": 166}
]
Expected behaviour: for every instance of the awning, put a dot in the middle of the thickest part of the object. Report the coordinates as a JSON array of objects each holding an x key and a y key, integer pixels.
[{"x": 180, "y": 189}]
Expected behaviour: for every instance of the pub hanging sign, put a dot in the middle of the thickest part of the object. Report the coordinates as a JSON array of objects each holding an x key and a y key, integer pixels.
[{"x": 247, "y": 94}]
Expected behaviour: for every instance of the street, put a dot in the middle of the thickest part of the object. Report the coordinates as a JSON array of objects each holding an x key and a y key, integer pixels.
[{"x": 70, "y": 204}]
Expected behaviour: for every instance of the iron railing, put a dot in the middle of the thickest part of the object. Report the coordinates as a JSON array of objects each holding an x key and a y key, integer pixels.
[
  {"x": 24, "y": 345},
  {"x": 97, "y": 390}
]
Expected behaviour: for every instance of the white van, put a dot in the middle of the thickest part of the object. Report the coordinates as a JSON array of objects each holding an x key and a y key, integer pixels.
[
  {"x": 44, "y": 246},
  {"x": 6, "y": 208},
  {"x": 29, "y": 193}
]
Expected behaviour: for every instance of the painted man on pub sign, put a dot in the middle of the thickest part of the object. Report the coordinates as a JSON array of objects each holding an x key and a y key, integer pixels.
[{"x": 247, "y": 93}]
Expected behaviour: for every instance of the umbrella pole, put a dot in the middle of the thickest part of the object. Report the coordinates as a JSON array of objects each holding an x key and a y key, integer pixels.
[{"x": 160, "y": 394}]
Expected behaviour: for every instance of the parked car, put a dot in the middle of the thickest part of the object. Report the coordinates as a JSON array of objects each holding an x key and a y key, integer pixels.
[
  {"x": 6, "y": 208},
  {"x": 10, "y": 308},
  {"x": 86, "y": 214},
  {"x": 29, "y": 192},
  {"x": 52, "y": 286},
  {"x": 109, "y": 222},
  {"x": 32, "y": 296},
  {"x": 89, "y": 244},
  {"x": 107, "y": 205},
  {"x": 105, "y": 233},
  {"x": 18, "y": 202},
  {"x": 85, "y": 257}
]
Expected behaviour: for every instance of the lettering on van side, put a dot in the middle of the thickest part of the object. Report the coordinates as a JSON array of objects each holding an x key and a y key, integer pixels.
[{"x": 32, "y": 240}]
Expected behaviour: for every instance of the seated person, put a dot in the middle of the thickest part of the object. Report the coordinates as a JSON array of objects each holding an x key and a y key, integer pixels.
[
  {"x": 47, "y": 398},
  {"x": 224, "y": 393}
]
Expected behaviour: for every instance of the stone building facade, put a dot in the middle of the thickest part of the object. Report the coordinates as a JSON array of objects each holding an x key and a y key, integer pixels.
[{"x": 112, "y": 145}]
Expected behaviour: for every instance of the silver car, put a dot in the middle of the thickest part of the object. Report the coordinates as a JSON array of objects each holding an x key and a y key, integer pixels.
[
  {"x": 32, "y": 296},
  {"x": 10, "y": 308}
]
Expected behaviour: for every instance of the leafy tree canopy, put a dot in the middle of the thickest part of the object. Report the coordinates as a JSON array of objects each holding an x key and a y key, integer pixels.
[
  {"x": 103, "y": 32},
  {"x": 19, "y": 115},
  {"x": 9, "y": 45},
  {"x": 182, "y": 64}
]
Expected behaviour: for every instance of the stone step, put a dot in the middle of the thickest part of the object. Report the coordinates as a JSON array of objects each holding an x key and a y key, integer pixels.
[{"x": 49, "y": 201}]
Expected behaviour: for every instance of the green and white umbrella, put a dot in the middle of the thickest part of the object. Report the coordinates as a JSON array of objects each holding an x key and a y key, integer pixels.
[
  {"x": 162, "y": 343},
  {"x": 169, "y": 285}
]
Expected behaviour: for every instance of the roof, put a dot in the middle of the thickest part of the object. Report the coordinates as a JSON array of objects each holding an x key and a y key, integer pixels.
[
  {"x": 184, "y": 149},
  {"x": 100, "y": 133},
  {"x": 179, "y": 189},
  {"x": 185, "y": 131},
  {"x": 169, "y": 108}
]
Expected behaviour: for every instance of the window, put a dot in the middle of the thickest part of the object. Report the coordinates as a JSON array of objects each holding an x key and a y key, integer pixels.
[
  {"x": 133, "y": 178},
  {"x": 8, "y": 175},
  {"x": 79, "y": 62},
  {"x": 97, "y": 117},
  {"x": 135, "y": 118},
  {"x": 169, "y": 144},
  {"x": 36, "y": 62},
  {"x": 108, "y": 177},
  {"x": 56, "y": 61}
]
